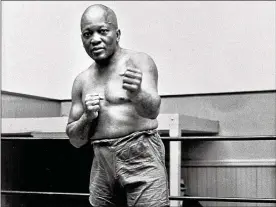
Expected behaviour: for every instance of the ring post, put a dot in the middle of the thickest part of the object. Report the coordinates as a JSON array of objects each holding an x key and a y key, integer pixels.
[{"x": 175, "y": 159}]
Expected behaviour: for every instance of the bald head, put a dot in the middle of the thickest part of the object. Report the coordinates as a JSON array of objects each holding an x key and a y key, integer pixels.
[{"x": 99, "y": 11}]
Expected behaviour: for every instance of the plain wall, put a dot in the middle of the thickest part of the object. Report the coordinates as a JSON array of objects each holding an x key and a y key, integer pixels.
[
  {"x": 238, "y": 114},
  {"x": 199, "y": 47}
]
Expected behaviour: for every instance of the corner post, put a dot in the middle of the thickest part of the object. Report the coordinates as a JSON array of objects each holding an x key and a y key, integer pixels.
[{"x": 175, "y": 159}]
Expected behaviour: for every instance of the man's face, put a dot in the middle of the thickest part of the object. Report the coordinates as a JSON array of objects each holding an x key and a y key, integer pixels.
[{"x": 99, "y": 37}]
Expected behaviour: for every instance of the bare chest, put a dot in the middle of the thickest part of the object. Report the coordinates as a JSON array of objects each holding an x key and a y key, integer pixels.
[{"x": 108, "y": 87}]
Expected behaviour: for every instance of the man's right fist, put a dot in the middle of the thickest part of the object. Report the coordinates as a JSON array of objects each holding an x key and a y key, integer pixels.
[{"x": 92, "y": 105}]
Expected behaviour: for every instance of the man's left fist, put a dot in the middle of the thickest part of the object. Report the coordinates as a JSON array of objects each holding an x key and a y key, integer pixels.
[{"x": 132, "y": 79}]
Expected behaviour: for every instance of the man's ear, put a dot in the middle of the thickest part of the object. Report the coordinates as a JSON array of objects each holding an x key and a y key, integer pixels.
[{"x": 118, "y": 33}]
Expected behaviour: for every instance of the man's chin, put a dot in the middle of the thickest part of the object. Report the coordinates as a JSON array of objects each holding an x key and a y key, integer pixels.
[{"x": 98, "y": 57}]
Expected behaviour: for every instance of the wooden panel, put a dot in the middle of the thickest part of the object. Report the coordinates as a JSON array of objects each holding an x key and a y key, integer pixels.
[
  {"x": 19, "y": 125},
  {"x": 211, "y": 189},
  {"x": 231, "y": 181},
  {"x": 190, "y": 124},
  {"x": 226, "y": 186},
  {"x": 202, "y": 183},
  {"x": 246, "y": 184},
  {"x": 187, "y": 124},
  {"x": 58, "y": 124},
  {"x": 230, "y": 163},
  {"x": 192, "y": 181},
  {"x": 20, "y": 106},
  {"x": 65, "y": 107},
  {"x": 266, "y": 183}
]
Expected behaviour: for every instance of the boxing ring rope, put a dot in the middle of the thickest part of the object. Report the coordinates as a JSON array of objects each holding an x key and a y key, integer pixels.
[
  {"x": 221, "y": 138},
  {"x": 175, "y": 125},
  {"x": 198, "y": 198},
  {"x": 222, "y": 199},
  {"x": 182, "y": 139}
]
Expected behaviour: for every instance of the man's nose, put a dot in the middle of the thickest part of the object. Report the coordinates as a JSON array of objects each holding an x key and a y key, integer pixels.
[{"x": 95, "y": 39}]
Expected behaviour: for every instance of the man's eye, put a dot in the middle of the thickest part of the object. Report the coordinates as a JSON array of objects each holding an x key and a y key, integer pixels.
[
  {"x": 86, "y": 34},
  {"x": 103, "y": 31}
]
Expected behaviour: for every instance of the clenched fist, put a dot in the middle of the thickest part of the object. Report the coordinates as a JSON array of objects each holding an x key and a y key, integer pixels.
[
  {"x": 92, "y": 105},
  {"x": 132, "y": 79}
]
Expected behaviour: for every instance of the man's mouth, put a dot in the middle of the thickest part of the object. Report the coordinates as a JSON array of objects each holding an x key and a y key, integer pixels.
[{"x": 97, "y": 50}]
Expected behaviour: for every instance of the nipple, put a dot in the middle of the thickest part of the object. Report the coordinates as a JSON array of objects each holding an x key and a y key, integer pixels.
[{"x": 114, "y": 90}]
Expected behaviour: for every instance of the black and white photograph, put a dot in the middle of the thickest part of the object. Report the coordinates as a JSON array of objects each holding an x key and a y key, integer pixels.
[{"x": 138, "y": 103}]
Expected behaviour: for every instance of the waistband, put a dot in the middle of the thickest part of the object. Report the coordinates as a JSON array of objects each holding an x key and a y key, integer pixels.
[{"x": 115, "y": 141}]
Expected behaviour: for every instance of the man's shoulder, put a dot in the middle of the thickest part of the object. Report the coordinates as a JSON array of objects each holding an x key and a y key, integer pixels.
[
  {"x": 84, "y": 74},
  {"x": 81, "y": 80},
  {"x": 137, "y": 54},
  {"x": 139, "y": 57}
]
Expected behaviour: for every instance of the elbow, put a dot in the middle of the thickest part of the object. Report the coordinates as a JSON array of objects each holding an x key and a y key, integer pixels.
[
  {"x": 150, "y": 114},
  {"x": 154, "y": 114},
  {"x": 74, "y": 143},
  {"x": 153, "y": 111},
  {"x": 156, "y": 110},
  {"x": 67, "y": 130},
  {"x": 77, "y": 143}
]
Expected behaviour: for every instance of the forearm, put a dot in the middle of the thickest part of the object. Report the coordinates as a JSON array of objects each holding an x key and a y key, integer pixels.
[
  {"x": 147, "y": 104},
  {"x": 79, "y": 131}
]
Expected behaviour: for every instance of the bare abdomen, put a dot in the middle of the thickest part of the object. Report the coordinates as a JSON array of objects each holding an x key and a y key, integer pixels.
[{"x": 119, "y": 120}]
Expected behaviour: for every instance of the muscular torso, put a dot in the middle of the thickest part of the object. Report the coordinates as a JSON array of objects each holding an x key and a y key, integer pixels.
[{"x": 117, "y": 115}]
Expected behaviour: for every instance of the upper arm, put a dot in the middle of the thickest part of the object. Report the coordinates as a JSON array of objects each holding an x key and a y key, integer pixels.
[
  {"x": 150, "y": 74},
  {"x": 76, "y": 110}
]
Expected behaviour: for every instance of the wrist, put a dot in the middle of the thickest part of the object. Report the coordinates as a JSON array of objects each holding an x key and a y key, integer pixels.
[
  {"x": 86, "y": 119},
  {"x": 137, "y": 97}
]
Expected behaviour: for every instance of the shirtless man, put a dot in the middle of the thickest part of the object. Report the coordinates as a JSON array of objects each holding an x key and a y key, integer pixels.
[{"x": 115, "y": 103}]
